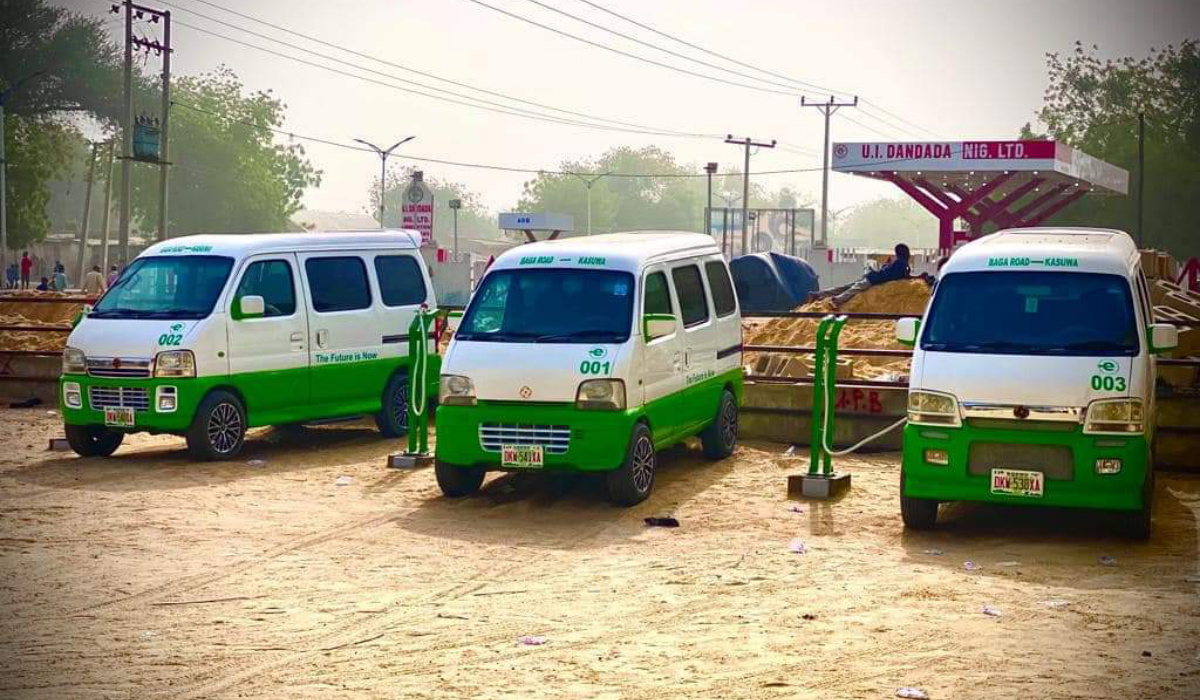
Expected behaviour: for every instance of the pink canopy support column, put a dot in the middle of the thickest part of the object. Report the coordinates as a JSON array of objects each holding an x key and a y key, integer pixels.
[{"x": 943, "y": 206}]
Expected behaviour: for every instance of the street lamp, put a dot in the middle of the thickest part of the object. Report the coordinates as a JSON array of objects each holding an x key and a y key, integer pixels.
[
  {"x": 383, "y": 156},
  {"x": 588, "y": 182},
  {"x": 710, "y": 169},
  {"x": 455, "y": 205}
]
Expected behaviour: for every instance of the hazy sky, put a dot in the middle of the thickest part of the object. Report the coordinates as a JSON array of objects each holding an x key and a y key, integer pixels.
[{"x": 966, "y": 68}]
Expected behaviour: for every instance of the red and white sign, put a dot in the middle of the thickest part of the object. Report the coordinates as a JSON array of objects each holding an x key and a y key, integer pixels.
[
  {"x": 985, "y": 156},
  {"x": 417, "y": 208}
]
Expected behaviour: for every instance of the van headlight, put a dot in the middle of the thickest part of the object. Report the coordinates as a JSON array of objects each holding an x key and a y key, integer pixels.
[
  {"x": 74, "y": 361},
  {"x": 933, "y": 408},
  {"x": 175, "y": 363},
  {"x": 601, "y": 395},
  {"x": 1114, "y": 416},
  {"x": 456, "y": 390}
]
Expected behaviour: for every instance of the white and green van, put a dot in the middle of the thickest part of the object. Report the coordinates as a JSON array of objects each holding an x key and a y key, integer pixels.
[
  {"x": 591, "y": 354},
  {"x": 205, "y": 336},
  {"x": 1033, "y": 378}
]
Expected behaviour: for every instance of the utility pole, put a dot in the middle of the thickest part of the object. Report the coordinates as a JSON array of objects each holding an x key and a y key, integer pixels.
[
  {"x": 455, "y": 205},
  {"x": 1141, "y": 177},
  {"x": 710, "y": 169},
  {"x": 383, "y": 156},
  {"x": 588, "y": 182},
  {"x": 108, "y": 178},
  {"x": 826, "y": 108},
  {"x": 165, "y": 133},
  {"x": 747, "y": 143},
  {"x": 87, "y": 216},
  {"x": 127, "y": 141}
]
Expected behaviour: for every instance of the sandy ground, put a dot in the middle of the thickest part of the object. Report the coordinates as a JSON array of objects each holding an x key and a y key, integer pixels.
[{"x": 150, "y": 576}]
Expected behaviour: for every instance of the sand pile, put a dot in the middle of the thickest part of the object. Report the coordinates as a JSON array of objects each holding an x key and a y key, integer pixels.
[
  {"x": 901, "y": 297},
  {"x": 14, "y": 303},
  {"x": 31, "y": 340}
]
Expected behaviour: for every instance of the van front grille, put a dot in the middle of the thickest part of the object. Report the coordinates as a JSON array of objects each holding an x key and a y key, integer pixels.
[
  {"x": 1055, "y": 461},
  {"x": 118, "y": 367},
  {"x": 554, "y": 438},
  {"x": 102, "y": 397}
]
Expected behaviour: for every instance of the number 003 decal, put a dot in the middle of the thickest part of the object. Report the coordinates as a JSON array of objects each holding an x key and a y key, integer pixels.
[
  {"x": 1100, "y": 383},
  {"x": 593, "y": 367}
]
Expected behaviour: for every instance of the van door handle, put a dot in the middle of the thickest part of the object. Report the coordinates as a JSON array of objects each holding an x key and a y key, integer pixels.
[
  {"x": 322, "y": 338},
  {"x": 297, "y": 337},
  {"x": 675, "y": 361}
]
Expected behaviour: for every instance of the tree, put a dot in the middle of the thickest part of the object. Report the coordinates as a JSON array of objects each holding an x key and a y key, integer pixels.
[
  {"x": 474, "y": 219},
  {"x": 1093, "y": 105},
  {"x": 229, "y": 173},
  {"x": 53, "y": 63},
  {"x": 884, "y": 222}
]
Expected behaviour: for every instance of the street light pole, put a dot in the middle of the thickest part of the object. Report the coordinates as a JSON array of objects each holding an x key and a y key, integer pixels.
[
  {"x": 710, "y": 169},
  {"x": 455, "y": 205},
  {"x": 383, "y": 156},
  {"x": 588, "y": 182}
]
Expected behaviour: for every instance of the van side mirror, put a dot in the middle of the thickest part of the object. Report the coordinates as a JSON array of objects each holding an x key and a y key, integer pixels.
[
  {"x": 1163, "y": 337},
  {"x": 250, "y": 306},
  {"x": 657, "y": 326},
  {"x": 907, "y": 330}
]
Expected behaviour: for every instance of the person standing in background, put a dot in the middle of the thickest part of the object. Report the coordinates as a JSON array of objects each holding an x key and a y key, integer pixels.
[
  {"x": 26, "y": 268},
  {"x": 12, "y": 276},
  {"x": 93, "y": 282},
  {"x": 60, "y": 279},
  {"x": 112, "y": 276}
]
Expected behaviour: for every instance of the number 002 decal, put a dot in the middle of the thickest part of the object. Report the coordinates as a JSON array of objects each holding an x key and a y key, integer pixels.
[
  {"x": 1100, "y": 383},
  {"x": 170, "y": 339},
  {"x": 594, "y": 367}
]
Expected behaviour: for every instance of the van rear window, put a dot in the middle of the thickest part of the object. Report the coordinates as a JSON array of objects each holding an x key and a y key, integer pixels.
[
  {"x": 692, "y": 302},
  {"x": 722, "y": 289},
  {"x": 338, "y": 284},
  {"x": 400, "y": 280},
  {"x": 1032, "y": 313}
]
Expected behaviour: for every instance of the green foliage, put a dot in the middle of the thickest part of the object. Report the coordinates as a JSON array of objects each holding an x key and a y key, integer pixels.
[
  {"x": 635, "y": 203},
  {"x": 229, "y": 173},
  {"x": 39, "y": 149},
  {"x": 884, "y": 222},
  {"x": 474, "y": 219},
  {"x": 1093, "y": 104}
]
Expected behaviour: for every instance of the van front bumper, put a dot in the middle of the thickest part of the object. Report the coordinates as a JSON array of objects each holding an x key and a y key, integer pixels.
[
  {"x": 1074, "y": 485},
  {"x": 188, "y": 393},
  {"x": 599, "y": 440}
]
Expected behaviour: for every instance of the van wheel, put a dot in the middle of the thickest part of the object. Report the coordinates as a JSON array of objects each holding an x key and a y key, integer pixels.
[
  {"x": 219, "y": 429},
  {"x": 392, "y": 419},
  {"x": 720, "y": 437},
  {"x": 917, "y": 513},
  {"x": 92, "y": 440},
  {"x": 1139, "y": 523},
  {"x": 456, "y": 481},
  {"x": 630, "y": 484}
]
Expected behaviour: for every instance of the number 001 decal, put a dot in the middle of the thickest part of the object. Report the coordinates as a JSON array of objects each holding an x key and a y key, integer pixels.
[
  {"x": 1100, "y": 383},
  {"x": 594, "y": 367}
]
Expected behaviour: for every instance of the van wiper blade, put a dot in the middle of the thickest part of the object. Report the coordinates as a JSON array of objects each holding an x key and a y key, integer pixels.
[
  {"x": 588, "y": 333},
  {"x": 1092, "y": 346}
]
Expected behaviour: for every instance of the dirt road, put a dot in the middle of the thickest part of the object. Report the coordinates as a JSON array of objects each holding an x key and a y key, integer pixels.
[{"x": 150, "y": 576}]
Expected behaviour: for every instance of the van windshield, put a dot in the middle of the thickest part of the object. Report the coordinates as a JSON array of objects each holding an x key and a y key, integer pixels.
[
  {"x": 166, "y": 287},
  {"x": 549, "y": 305},
  {"x": 1032, "y": 313}
]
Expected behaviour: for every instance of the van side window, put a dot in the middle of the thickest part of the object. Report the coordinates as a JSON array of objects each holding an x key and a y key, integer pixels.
[
  {"x": 271, "y": 280},
  {"x": 724, "y": 301},
  {"x": 1144, "y": 297},
  {"x": 693, "y": 304},
  {"x": 338, "y": 284},
  {"x": 657, "y": 298},
  {"x": 400, "y": 281}
]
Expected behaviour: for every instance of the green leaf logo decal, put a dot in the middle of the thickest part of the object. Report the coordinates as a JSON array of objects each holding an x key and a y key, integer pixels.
[
  {"x": 1108, "y": 366},
  {"x": 598, "y": 352}
]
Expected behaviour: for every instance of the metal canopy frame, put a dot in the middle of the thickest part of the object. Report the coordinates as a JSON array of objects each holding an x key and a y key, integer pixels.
[{"x": 1003, "y": 184}]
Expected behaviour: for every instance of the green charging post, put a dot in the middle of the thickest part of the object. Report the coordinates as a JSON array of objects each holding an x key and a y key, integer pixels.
[
  {"x": 822, "y": 481},
  {"x": 417, "y": 454}
]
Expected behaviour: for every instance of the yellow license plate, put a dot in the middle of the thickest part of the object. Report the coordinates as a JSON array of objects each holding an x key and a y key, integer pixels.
[
  {"x": 527, "y": 456},
  {"x": 1014, "y": 482},
  {"x": 118, "y": 417}
]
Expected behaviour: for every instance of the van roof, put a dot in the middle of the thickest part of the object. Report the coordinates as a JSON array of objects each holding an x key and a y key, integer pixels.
[
  {"x": 239, "y": 245},
  {"x": 1049, "y": 248},
  {"x": 630, "y": 250}
]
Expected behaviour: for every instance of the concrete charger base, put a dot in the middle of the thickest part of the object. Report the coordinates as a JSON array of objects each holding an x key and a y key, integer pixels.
[
  {"x": 405, "y": 460},
  {"x": 822, "y": 486}
]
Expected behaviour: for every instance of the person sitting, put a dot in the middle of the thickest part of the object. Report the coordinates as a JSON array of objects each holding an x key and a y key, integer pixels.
[
  {"x": 897, "y": 269},
  {"x": 45, "y": 285}
]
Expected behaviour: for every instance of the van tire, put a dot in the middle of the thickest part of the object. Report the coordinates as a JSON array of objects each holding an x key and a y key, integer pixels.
[
  {"x": 917, "y": 513},
  {"x": 93, "y": 440},
  {"x": 720, "y": 437},
  {"x": 631, "y": 483},
  {"x": 392, "y": 419},
  {"x": 1138, "y": 524},
  {"x": 455, "y": 481},
  {"x": 219, "y": 429}
]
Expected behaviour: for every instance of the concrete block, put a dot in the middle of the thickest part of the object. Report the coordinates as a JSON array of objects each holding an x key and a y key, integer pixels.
[
  {"x": 405, "y": 460},
  {"x": 820, "y": 486},
  {"x": 1184, "y": 302}
]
